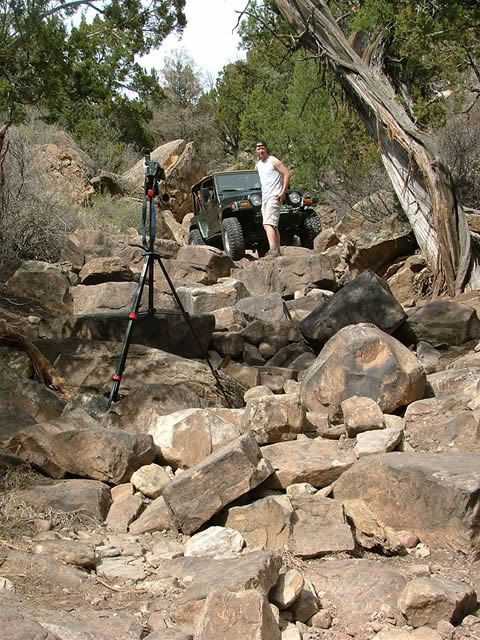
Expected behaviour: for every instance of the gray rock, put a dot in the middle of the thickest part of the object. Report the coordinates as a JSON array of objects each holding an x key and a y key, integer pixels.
[
  {"x": 367, "y": 298},
  {"x": 197, "y": 494},
  {"x": 84, "y": 496},
  {"x": 249, "y": 616},
  {"x": 362, "y": 360},
  {"x": 433, "y": 495},
  {"x": 316, "y": 461},
  {"x": 427, "y": 601}
]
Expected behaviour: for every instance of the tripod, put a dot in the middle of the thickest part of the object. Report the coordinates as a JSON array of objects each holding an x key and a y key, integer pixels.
[{"x": 154, "y": 173}]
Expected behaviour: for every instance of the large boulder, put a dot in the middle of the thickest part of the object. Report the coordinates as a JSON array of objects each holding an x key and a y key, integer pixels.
[
  {"x": 98, "y": 270},
  {"x": 379, "y": 229},
  {"x": 65, "y": 168},
  {"x": 198, "y": 493},
  {"x": 367, "y": 298},
  {"x": 316, "y": 461},
  {"x": 83, "y": 496},
  {"x": 210, "y": 261},
  {"x": 182, "y": 169},
  {"x": 443, "y": 322},
  {"x": 249, "y": 616},
  {"x": 357, "y": 589},
  {"x": 362, "y": 360},
  {"x": 436, "y": 496},
  {"x": 275, "y": 418},
  {"x": 90, "y": 364},
  {"x": 110, "y": 456},
  {"x": 444, "y": 423},
  {"x": 43, "y": 282},
  {"x": 204, "y": 299},
  {"x": 293, "y": 273},
  {"x": 168, "y": 331},
  {"x": 185, "y": 438}
]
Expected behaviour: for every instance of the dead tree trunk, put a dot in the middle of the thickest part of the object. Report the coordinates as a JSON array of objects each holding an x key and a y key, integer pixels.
[{"x": 421, "y": 180}]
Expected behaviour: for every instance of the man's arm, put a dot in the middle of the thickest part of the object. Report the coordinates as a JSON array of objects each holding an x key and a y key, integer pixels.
[{"x": 285, "y": 173}]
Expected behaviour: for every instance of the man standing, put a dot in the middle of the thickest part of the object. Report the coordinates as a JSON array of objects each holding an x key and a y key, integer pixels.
[{"x": 274, "y": 177}]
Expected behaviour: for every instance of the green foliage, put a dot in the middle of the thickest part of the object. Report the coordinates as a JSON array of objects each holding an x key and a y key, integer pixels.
[
  {"x": 432, "y": 46},
  {"x": 78, "y": 75},
  {"x": 286, "y": 99}
]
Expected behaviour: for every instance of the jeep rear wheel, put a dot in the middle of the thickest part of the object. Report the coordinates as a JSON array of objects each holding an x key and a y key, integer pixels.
[
  {"x": 309, "y": 230},
  {"x": 195, "y": 237},
  {"x": 233, "y": 240}
]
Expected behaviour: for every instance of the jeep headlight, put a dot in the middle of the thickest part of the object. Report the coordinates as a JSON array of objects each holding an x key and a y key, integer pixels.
[
  {"x": 256, "y": 199},
  {"x": 294, "y": 198}
]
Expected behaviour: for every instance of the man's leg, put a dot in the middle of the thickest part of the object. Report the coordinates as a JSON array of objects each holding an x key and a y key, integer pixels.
[
  {"x": 273, "y": 236},
  {"x": 271, "y": 215}
]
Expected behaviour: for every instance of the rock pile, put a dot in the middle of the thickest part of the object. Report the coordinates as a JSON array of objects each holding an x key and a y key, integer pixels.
[{"x": 333, "y": 493}]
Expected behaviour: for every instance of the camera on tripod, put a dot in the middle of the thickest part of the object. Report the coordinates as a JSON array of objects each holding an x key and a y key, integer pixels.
[{"x": 154, "y": 174}]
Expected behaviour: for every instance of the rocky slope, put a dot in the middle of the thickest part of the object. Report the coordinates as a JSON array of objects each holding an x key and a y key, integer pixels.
[{"x": 332, "y": 491}]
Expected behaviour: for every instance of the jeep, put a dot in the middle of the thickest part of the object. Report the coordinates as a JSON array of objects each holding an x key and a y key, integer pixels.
[{"x": 227, "y": 213}]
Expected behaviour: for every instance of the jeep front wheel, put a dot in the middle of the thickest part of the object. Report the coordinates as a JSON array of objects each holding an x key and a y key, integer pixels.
[
  {"x": 309, "y": 230},
  {"x": 195, "y": 237},
  {"x": 233, "y": 240}
]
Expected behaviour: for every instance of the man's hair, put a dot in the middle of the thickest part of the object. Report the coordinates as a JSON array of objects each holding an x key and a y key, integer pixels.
[{"x": 263, "y": 143}]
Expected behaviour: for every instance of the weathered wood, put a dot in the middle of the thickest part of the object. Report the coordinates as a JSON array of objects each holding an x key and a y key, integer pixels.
[{"x": 420, "y": 179}]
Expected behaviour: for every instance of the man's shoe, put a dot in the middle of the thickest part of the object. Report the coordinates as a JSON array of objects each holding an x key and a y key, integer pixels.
[{"x": 272, "y": 253}]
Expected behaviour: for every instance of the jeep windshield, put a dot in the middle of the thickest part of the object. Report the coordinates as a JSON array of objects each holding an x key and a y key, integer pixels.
[{"x": 233, "y": 182}]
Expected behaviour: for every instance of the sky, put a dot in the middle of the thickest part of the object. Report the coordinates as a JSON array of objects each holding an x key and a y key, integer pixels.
[{"x": 209, "y": 37}]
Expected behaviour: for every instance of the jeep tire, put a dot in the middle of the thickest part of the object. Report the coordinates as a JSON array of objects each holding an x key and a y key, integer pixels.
[
  {"x": 195, "y": 237},
  {"x": 233, "y": 240},
  {"x": 309, "y": 230}
]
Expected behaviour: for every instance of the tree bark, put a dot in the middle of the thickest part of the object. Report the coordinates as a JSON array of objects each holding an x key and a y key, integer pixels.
[{"x": 421, "y": 180}]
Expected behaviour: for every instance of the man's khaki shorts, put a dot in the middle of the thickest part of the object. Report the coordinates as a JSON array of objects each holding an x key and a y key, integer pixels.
[{"x": 271, "y": 211}]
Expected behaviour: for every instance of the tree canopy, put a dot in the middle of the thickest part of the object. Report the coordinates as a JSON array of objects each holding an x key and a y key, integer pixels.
[{"x": 77, "y": 60}]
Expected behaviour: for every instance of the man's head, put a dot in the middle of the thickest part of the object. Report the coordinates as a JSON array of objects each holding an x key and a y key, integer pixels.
[{"x": 261, "y": 149}]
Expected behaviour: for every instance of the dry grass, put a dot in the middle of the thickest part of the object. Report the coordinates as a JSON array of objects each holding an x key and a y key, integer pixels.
[{"x": 18, "y": 519}]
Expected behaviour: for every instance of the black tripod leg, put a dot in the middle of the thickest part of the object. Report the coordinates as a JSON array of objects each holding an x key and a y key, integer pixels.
[
  {"x": 187, "y": 319},
  {"x": 132, "y": 317}
]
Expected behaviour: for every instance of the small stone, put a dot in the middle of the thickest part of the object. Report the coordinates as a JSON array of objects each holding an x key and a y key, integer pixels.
[
  {"x": 6, "y": 585},
  {"x": 420, "y": 570},
  {"x": 322, "y": 619},
  {"x": 287, "y": 589},
  {"x": 215, "y": 542},
  {"x": 150, "y": 480},
  {"x": 422, "y": 550},
  {"x": 445, "y": 628},
  {"x": 300, "y": 489},
  {"x": 122, "y": 491},
  {"x": 306, "y": 605},
  {"x": 470, "y": 621}
]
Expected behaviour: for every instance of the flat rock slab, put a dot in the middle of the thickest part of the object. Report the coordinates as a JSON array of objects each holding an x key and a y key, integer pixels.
[
  {"x": 85, "y": 496},
  {"x": 436, "y": 496},
  {"x": 119, "y": 569},
  {"x": 316, "y": 461},
  {"x": 237, "y": 616},
  {"x": 444, "y": 423},
  {"x": 356, "y": 588},
  {"x": 318, "y": 526},
  {"x": 43, "y": 568},
  {"x": 256, "y": 570},
  {"x": 198, "y": 493},
  {"x": 166, "y": 331},
  {"x": 90, "y": 624},
  {"x": 90, "y": 363},
  {"x": 264, "y": 523},
  {"x": 17, "y": 626}
]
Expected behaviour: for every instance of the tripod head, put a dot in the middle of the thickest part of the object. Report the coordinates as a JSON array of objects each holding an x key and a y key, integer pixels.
[{"x": 154, "y": 174}]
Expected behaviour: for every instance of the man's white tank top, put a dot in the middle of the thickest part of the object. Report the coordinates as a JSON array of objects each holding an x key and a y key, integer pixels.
[{"x": 270, "y": 179}]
